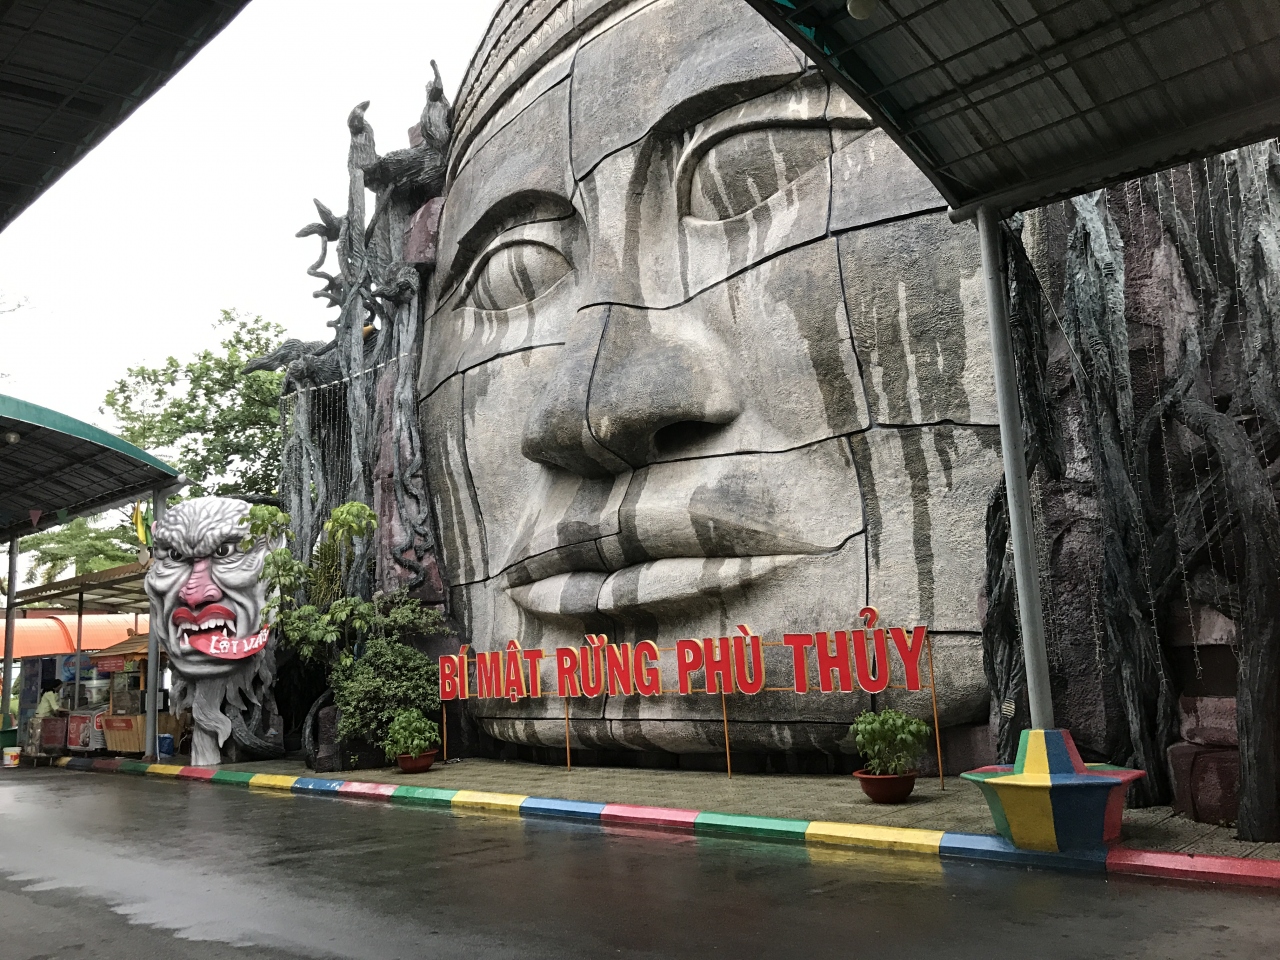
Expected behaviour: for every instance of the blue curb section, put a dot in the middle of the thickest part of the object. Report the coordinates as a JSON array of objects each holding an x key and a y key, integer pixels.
[
  {"x": 993, "y": 849},
  {"x": 564, "y": 809},
  {"x": 315, "y": 785}
]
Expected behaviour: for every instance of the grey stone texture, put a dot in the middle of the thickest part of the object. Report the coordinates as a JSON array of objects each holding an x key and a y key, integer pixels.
[{"x": 701, "y": 351}]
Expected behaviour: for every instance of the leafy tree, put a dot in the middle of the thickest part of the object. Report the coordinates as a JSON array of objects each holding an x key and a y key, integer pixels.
[
  {"x": 218, "y": 425},
  {"x": 80, "y": 547}
]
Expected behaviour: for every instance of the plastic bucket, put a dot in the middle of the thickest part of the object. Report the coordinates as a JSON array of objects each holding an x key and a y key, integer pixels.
[
  {"x": 10, "y": 756},
  {"x": 164, "y": 745}
]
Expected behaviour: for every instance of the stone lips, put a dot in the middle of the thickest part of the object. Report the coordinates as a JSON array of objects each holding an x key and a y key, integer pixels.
[{"x": 769, "y": 404}]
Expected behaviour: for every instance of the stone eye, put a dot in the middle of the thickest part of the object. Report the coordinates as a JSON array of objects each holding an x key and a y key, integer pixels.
[
  {"x": 746, "y": 169},
  {"x": 224, "y": 549},
  {"x": 515, "y": 275}
]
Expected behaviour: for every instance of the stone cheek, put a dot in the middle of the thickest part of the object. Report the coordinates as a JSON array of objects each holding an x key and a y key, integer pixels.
[
  {"x": 914, "y": 293},
  {"x": 874, "y": 182},
  {"x": 453, "y": 495}
]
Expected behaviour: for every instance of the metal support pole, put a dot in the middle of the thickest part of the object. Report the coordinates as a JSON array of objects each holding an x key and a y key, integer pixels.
[
  {"x": 159, "y": 501},
  {"x": 10, "y": 616},
  {"x": 75, "y": 696},
  {"x": 1017, "y": 489}
]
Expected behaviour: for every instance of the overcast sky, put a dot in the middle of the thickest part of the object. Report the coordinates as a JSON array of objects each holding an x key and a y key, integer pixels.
[{"x": 191, "y": 206}]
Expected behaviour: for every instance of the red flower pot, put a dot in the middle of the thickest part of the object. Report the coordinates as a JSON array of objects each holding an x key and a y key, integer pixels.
[
  {"x": 887, "y": 787},
  {"x": 419, "y": 764}
]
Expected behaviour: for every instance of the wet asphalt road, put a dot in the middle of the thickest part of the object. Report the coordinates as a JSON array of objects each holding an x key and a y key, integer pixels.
[{"x": 105, "y": 867}]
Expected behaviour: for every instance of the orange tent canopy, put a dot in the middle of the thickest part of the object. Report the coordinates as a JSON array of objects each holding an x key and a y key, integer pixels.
[{"x": 55, "y": 636}]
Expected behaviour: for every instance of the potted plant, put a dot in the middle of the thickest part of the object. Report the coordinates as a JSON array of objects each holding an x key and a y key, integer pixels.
[
  {"x": 890, "y": 743},
  {"x": 409, "y": 741}
]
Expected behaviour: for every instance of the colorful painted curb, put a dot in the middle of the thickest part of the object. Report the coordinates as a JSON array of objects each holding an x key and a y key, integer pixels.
[{"x": 936, "y": 843}]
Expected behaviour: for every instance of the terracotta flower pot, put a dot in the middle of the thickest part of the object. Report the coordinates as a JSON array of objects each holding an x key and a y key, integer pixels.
[
  {"x": 419, "y": 764},
  {"x": 887, "y": 787}
]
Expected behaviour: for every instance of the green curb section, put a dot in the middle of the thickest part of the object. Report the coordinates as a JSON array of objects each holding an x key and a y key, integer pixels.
[
  {"x": 424, "y": 796},
  {"x": 233, "y": 776},
  {"x": 732, "y": 824}
]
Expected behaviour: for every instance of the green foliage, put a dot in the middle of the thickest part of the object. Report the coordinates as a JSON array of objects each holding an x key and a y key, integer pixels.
[
  {"x": 375, "y": 674},
  {"x": 218, "y": 425},
  {"x": 310, "y": 612},
  {"x": 890, "y": 742},
  {"x": 80, "y": 547},
  {"x": 266, "y": 521},
  {"x": 306, "y": 602},
  {"x": 316, "y": 632},
  {"x": 348, "y": 521},
  {"x": 412, "y": 733},
  {"x": 370, "y": 692}
]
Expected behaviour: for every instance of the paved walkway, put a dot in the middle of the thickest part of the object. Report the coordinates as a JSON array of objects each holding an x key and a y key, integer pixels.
[{"x": 959, "y": 807}]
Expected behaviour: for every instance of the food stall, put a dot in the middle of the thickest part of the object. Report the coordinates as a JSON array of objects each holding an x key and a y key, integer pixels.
[
  {"x": 45, "y": 647},
  {"x": 86, "y": 696},
  {"x": 123, "y": 720}
]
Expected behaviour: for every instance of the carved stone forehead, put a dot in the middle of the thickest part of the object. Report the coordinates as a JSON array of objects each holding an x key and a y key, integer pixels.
[
  {"x": 196, "y": 527},
  {"x": 556, "y": 87}
]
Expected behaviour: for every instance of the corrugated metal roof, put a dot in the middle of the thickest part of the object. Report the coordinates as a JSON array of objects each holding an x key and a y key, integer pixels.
[
  {"x": 118, "y": 588},
  {"x": 72, "y": 70},
  {"x": 1018, "y": 103}
]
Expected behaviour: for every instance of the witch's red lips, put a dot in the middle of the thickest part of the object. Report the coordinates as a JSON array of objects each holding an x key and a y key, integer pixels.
[{"x": 205, "y": 617}]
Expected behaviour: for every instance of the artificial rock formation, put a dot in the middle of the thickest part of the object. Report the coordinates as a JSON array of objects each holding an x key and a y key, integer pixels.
[
  {"x": 348, "y": 405},
  {"x": 207, "y": 601},
  {"x": 702, "y": 349},
  {"x": 1151, "y": 397}
]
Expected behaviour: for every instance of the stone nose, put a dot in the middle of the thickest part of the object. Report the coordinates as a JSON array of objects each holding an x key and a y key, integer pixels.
[
  {"x": 200, "y": 588},
  {"x": 633, "y": 385}
]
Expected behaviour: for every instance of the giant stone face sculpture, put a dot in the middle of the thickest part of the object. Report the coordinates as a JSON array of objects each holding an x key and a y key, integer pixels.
[
  {"x": 703, "y": 350},
  {"x": 207, "y": 602}
]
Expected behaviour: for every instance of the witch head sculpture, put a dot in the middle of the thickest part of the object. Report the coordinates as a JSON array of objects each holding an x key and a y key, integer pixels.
[
  {"x": 702, "y": 349},
  {"x": 207, "y": 602}
]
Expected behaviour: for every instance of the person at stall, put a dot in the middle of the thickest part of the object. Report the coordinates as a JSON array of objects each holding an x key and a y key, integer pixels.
[{"x": 50, "y": 704}]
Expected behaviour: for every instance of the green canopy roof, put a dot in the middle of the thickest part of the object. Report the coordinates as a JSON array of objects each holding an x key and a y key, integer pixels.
[{"x": 64, "y": 468}]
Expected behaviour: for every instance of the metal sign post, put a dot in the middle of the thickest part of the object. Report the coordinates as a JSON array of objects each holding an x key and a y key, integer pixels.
[
  {"x": 1017, "y": 489},
  {"x": 10, "y": 615}
]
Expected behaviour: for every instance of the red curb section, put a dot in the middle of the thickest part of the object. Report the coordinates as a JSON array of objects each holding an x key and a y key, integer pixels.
[
  {"x": 370, "y": 791},
  {"x": 197, "y": 773},
  {"x": 669, "y": 818},
  {"x": 1188, "y": 866}
]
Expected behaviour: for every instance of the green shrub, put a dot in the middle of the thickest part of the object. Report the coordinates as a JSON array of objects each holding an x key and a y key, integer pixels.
[
  {"x": 889, "y": 742},
  {"x": 412, "y": 733},
  {"x": 388, "y": 679}
]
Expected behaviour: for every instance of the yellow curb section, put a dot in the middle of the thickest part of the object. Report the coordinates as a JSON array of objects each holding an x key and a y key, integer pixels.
[
  {"x": 164, "y": 769},
  {"x": 869, "y": 835},
  {"x": 492, "y": 802},
  {"x": 62, "y": 761},
  {"x": 272, "y": 781}
]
